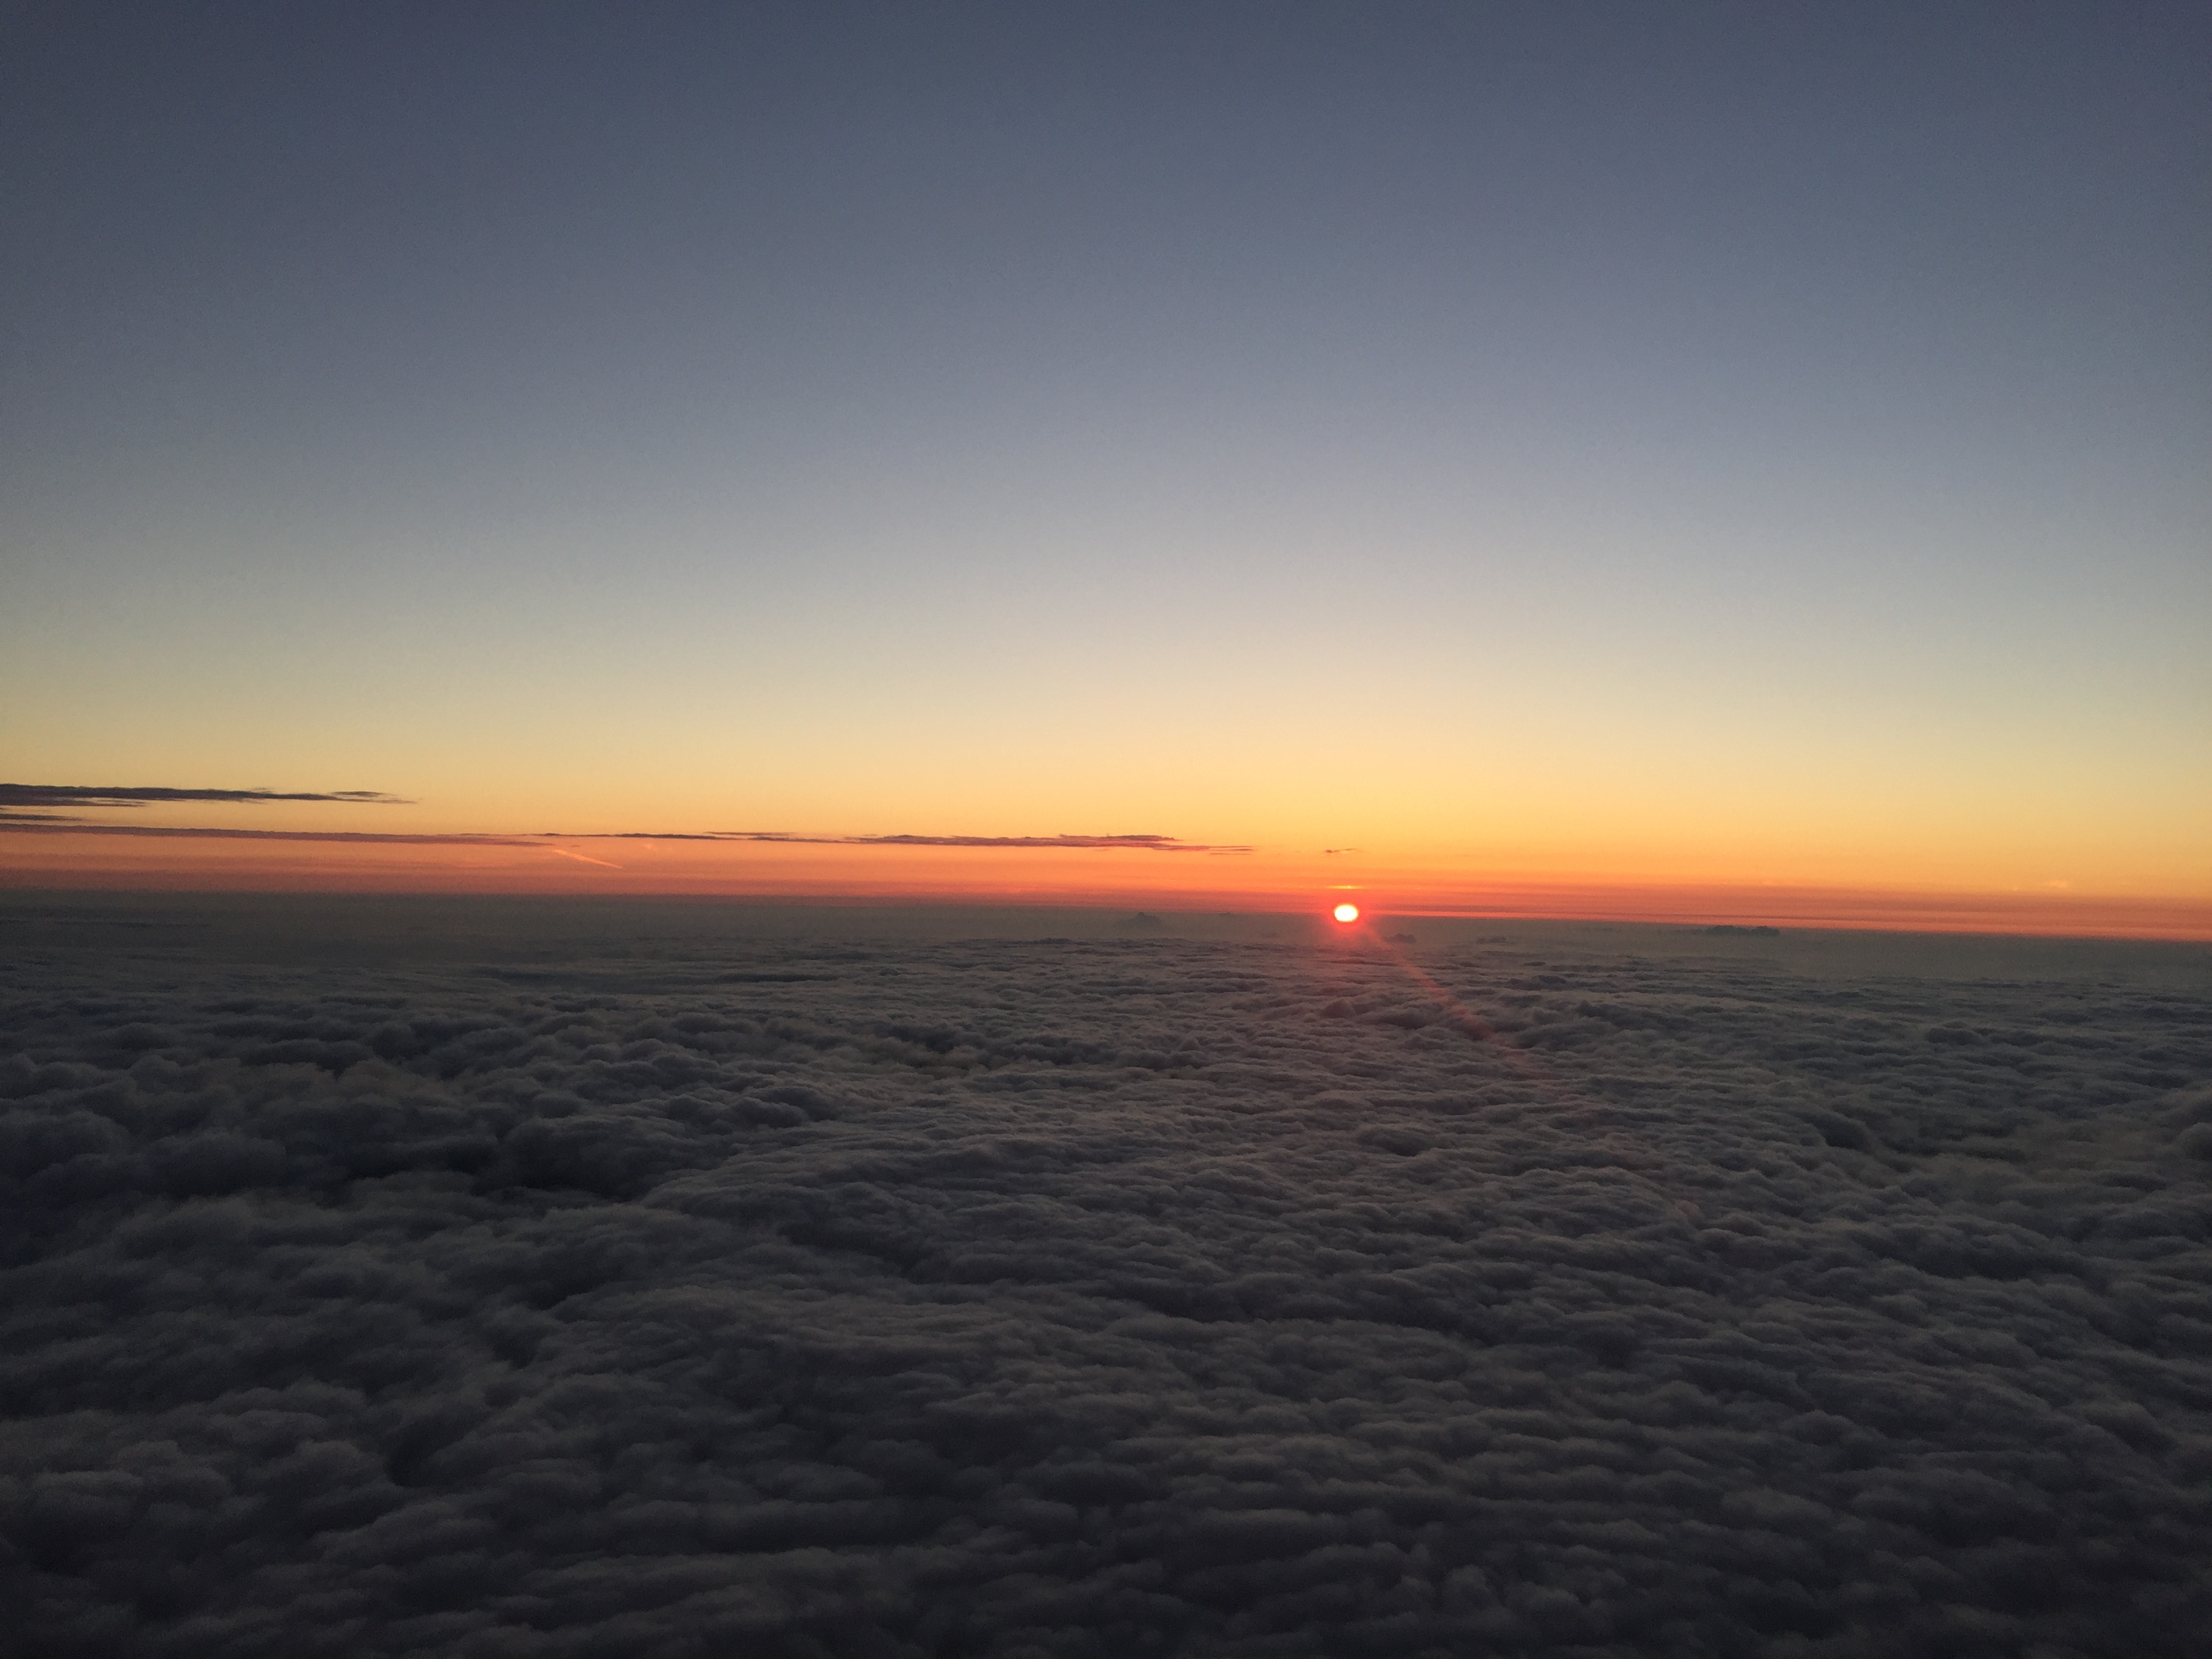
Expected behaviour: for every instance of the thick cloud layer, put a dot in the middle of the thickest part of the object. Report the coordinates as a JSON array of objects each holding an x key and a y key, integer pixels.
[{"x": 1108, "y": 1297}]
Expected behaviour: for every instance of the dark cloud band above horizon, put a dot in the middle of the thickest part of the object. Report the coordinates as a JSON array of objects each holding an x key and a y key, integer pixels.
[
  {"x": 79, "y": 794},
  {"x": 1134, "y": 843},
  {"x": 51, "y": 823}
]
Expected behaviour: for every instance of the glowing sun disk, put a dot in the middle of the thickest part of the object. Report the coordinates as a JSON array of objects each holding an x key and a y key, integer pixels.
[{"x": 1347, "y": 913}]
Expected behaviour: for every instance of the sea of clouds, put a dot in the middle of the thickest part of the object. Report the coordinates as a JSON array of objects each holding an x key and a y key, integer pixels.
[{"x": 761, "y": 1294}]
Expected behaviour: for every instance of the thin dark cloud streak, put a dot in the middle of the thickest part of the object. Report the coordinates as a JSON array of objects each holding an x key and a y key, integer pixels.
[
  {"x": 1133, "y": 844},
  {"x": 200, "y": 833},
  {"x": 1092, "y": 843},
  {"x": 132, "y": 795}
]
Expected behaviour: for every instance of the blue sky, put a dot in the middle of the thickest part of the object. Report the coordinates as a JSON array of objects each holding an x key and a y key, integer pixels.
[{"x": 499, "y": 406}]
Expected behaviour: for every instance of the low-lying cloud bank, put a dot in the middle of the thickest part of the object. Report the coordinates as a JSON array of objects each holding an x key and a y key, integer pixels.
[{"x": 1105, "y": 1297}]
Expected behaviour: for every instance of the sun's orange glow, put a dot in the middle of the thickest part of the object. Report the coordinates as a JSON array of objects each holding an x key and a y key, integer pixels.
[
  {"x": 363, "y": 858},
  {"x": 1347, "y": 913}
]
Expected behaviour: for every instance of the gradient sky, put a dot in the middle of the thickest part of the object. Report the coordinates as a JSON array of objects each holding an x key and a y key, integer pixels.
[{"x": 1737, "y": 443}]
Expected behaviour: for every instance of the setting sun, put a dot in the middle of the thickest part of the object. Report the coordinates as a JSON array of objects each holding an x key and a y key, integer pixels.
[{"x": 1347, "y": 913}]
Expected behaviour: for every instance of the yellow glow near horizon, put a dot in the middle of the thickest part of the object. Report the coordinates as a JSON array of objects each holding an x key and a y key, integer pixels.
[{"x": 60, "y": 856}]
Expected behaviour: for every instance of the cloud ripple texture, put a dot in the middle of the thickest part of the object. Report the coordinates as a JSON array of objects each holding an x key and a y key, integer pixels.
[{"x": 1123, "y": 1296}]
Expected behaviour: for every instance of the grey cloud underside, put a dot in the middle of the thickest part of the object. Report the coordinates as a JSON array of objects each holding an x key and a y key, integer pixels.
[
  {"x": 1098, "y": 1298},
  {"x": 65, "y": 794}
]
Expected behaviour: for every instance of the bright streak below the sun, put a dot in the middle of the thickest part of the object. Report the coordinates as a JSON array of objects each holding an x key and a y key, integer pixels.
[{"x": 1347, "y": 913}]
